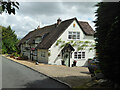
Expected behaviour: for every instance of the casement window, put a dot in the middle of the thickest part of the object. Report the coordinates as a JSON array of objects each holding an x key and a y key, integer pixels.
[
  {"x": 42, "y": 54},
  {"x": 38, "y": 39},
  {"x": 74, "y": 35},
  {"x": 79, "y": 55}
]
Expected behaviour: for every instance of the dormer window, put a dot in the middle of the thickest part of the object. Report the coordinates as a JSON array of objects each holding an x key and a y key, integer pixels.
[
  {"x": 38, "y": 39},
  {"x": 73, "y": 35},
  {"x": 27, "y": 40}
]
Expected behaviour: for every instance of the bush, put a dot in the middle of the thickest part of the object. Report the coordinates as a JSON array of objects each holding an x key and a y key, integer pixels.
[
  {"x": 24, "y": 57},
  {"x": 12, "y": 56}
]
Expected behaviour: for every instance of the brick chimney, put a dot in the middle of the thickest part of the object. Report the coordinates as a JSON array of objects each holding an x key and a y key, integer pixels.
[
  {"x": 58, "y": 21},
  {"x": 38, "y": 27}
]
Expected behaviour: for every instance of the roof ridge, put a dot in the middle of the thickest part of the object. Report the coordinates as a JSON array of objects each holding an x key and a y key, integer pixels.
[
  {"x": 55, "y": 23},
  {"x": 69, "y": 19},
  {"x": 83, "y": 21}
]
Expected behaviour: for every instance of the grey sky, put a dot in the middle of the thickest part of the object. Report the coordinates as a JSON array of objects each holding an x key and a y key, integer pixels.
[{"x": 31, "y": 14}]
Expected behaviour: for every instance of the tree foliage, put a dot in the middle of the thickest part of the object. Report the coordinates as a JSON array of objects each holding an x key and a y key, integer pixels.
[
  {"x": 9, "y": 40},
  {"x": 107, "y": 37},
  {"x": 8, "y": 6}
]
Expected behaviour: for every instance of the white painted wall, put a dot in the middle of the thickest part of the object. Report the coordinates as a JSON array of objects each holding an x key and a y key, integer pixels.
[
  {"x": 55, "y": 50},
  {"x": 42, "y": 59}
]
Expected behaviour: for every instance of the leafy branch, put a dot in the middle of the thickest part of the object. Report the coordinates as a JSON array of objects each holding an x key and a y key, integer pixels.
[
  {"x": 8, "y": 6},
  {"x": 81, "y": 45}
]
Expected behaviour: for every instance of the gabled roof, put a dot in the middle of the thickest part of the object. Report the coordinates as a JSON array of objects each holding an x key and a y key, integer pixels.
[
  {"x": 87, "y": 29},
  {"x": 42, "y": 31},
  {"x": 52, "y": 33},
  {"x": 36, "y": 33},
  {"x": 66, "y": 47}
]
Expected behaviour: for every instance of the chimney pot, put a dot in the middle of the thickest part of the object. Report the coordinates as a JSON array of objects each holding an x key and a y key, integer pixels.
[
  {"x": 58, "y": 21},
  {"x": 38, "y": 27}
]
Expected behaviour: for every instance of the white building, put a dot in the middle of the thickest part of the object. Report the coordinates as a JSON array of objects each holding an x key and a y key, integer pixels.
[{"x": 41, "y": 43}]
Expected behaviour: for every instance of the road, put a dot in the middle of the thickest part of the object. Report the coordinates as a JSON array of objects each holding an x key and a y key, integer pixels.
[{"x": 15, "y": 75}]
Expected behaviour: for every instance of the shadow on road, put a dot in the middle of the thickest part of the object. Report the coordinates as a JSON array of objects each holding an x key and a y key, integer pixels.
[
  {"x": 75, "y": 81},
  {"x": 45, "y": 83}
]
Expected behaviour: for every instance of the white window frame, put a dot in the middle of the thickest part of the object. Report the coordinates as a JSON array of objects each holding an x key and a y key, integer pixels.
[
  {"x": 74, "y": 35},
  {"x": 79, "y": 55}
]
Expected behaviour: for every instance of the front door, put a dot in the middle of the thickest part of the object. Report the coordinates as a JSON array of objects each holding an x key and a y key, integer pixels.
[{"x": 66, "y": 58}]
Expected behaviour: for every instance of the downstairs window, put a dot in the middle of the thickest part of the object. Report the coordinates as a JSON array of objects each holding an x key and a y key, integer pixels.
[{"x": 79, "y": 55}]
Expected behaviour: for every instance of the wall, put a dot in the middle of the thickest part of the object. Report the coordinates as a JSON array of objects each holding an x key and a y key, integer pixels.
[
  {"x": 83, "y": 62},
  {"x": 55, "y": 50},
  {"x": 42, "y": 59},
  {"x": 24, "y": 51}
]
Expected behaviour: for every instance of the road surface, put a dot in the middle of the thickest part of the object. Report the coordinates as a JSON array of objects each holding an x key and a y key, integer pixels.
[{"x": 15, "y": 75}]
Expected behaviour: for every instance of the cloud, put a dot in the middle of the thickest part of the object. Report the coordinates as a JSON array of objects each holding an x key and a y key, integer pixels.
[
  {"x": 31, "y": 14},
  {"x": 40, "y": 8},
  {"x": 21, "y": 24}
]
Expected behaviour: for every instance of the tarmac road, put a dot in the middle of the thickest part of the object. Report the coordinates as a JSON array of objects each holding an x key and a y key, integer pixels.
[{"x": 15, "y": 75}]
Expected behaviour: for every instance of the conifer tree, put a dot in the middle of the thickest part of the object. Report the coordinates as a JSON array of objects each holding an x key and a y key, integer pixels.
[
  {"x": 9, "y": 40},
  {"x": 108, "y": 37}
]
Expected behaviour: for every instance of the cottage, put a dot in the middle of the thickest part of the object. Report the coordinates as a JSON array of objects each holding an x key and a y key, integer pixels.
[{"x": 42, "y": 45}]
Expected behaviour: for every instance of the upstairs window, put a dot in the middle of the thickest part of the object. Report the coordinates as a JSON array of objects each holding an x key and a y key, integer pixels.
[
  {"x": 38, "y": 39},
  {"x": 74, "y": 35},
  {"x": 79, "y": 55}
]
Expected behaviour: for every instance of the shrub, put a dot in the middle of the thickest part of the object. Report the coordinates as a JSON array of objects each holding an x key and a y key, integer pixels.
[{"x": 24, "y": 57}]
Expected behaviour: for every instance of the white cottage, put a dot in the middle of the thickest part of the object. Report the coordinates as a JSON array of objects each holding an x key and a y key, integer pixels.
[{"x": 40, "y": 44}]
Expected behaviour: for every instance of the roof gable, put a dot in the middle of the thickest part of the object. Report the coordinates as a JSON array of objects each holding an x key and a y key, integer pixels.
[{"x": 86, "y": 28}]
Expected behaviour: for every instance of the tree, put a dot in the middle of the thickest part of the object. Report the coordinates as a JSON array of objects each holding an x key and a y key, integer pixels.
[
  {"x": 107, "y": 37},
  {"x": 8, "y": 6},
  {"x": 9, "y": 40}
]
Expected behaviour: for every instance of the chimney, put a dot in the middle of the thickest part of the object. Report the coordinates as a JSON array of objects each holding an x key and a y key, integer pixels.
[
  {"x": 58, "y": 21},
  {"x": 38, "y": 27}
]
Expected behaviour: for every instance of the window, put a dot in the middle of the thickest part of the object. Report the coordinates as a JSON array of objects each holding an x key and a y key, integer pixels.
[
  {"x": 42, "y": 54},
  {"x": 79, "y": 55},
  {"x": 35, "y": 52},
  {"x": 83, "y": 54},
  {"x": 75, "y": 54},
  {"x": 74, "y": 35},
  {"x": 38, "y": 39}
]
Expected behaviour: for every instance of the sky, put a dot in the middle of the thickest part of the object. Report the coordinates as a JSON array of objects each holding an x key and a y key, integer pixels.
[{"x": 31, "y": 14}]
